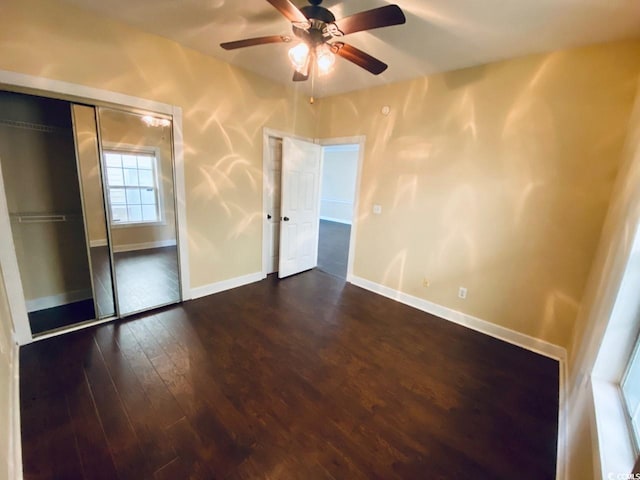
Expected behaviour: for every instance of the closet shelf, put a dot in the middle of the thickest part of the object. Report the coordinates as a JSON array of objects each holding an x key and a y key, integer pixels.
[{"x": 34, "y": 126}]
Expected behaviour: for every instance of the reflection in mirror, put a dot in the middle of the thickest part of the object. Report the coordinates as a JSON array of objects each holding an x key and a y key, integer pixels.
[
  {"x": 138, "y": 180},
  {"x": 88, "y": 157}
]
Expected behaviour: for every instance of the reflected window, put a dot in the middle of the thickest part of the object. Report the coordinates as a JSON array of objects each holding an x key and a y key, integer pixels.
[
  {"x": 631, "y": 391},
  {"x": 132, "y": 187}
]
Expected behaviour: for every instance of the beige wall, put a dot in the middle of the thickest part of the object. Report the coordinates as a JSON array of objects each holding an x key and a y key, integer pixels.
[
  {"x": 6, "y": 388},
  {"x": 601, "y": 294},
  {"x": 224, "y": 112},
  {"x": 496, "y": 178}
]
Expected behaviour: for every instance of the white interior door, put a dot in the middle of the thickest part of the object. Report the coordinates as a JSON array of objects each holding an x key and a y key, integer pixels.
[
  {"x": 273, "y": 194},
  {"x": 299, "y": 206}
]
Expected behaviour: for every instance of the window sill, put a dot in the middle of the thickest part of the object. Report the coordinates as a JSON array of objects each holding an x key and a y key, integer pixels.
[{"x": 613, "y": 437}]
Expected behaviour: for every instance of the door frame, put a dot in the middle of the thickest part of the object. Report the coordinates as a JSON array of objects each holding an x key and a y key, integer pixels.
[
  {"x": 266, "y": 134},
  {"x": 354, "y": 140},
  {"x": 30, "y": 84},
  {"x": 360, "y": 141}
]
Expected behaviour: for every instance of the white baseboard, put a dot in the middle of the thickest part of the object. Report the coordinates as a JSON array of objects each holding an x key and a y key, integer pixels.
[
  {"x": 15, "y": 436},
  {"x": 336, "y": 220},
  {"x": 212, "y": 288},
  {"x": 131, "y": 247},
  {"x": 43, "y": 303},
  {"x": 497, "y": 331}
]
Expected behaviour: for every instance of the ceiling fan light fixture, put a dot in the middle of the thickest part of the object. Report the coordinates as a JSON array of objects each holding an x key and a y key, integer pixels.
[
  {"x": 299, "y": 56},
  {"x": 325, "y": 59}
]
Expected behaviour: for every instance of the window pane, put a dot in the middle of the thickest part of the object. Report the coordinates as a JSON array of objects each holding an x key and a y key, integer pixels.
[
  {"x": 144, "y": 162},
  {"x": 119, "y": 214},
  {"x": 149, "y": 213},
  {"x": 128, "y": 171},
  {"x": 117, "y": 196},
  {"x": 133, "y": 196},
  {"x": 129, "y": 161},
  {"x": 146, "y": 178},
  {"x": 114, "y": 176},
  {"x": 631, "y": 383},
  {"x": 113, "y": 160},
  {"x": 130, "y": 177},
  {"x": 148, "y": 196},
  {"x": 135, "y": 213}
]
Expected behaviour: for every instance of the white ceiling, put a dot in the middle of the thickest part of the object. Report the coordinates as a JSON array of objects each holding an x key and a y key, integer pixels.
[{"x": 440, "y": 35}]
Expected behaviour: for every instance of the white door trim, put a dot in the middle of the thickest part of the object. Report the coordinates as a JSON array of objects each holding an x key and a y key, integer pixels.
[
  {"x": 74, "y": 92},
  {"x": 360, "y": 141},
  {"x": 266, "y": 133}
]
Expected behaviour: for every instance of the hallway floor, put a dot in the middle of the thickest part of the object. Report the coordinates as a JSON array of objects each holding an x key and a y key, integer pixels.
[{"x": 333, "y": 248}]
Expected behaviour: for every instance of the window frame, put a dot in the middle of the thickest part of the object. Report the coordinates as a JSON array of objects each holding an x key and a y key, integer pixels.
[
  {"x": 629, "y": 415},
  {"x": 122, "y": 149}
]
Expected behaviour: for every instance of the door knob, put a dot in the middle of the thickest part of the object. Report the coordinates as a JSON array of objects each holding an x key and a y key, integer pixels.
[
  {"x": 268, "y": 216},
  {"x": 286, "y": 219}
]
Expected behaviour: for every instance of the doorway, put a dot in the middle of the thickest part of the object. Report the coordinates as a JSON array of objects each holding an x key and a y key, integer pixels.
[
  {"x": 291, "y": 199},
  {"x": 337, "y": 200}
]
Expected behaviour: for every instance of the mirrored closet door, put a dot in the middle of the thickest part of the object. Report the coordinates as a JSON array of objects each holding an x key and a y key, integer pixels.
[
  {"x": 90, "y": 193},
  {"x": 137, "y": 155}
]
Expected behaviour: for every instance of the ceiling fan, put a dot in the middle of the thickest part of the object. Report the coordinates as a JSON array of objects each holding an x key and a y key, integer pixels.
[{"x": 317, "y": 30}]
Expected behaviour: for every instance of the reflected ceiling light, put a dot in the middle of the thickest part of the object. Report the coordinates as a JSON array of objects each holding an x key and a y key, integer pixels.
[{"x": 156, "y": 122}]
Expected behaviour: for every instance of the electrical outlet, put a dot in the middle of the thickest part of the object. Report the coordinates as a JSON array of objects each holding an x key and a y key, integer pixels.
[
  {"x": 462, "y": 292},
  {"x": 425, "y": 282}
]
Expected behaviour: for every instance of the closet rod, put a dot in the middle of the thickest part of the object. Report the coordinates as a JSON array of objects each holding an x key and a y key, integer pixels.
[{"x": 45, "y": 217}]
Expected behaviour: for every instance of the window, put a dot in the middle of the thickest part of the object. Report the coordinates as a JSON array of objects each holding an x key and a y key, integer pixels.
[
  {"x": 132, "y": 183},
  {"x": 631, "y": 391}
]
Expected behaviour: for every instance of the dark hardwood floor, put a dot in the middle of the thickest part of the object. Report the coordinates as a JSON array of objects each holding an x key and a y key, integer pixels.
[
  {"x": 307, "y": 377},
  {"x": 333, "y": 248}
]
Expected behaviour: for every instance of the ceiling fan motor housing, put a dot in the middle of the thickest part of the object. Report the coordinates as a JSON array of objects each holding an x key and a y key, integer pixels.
[{"x": 316, "y": 12}]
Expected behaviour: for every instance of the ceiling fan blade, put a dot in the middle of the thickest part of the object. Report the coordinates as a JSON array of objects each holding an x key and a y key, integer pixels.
[
  {"x": 368, "y": 20},
  {"x": 359, "y": 57},
  {"x": 250, "y": 42},
  {"x": 299, "y": 77},
  {"x": 289, "y": 10}
]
